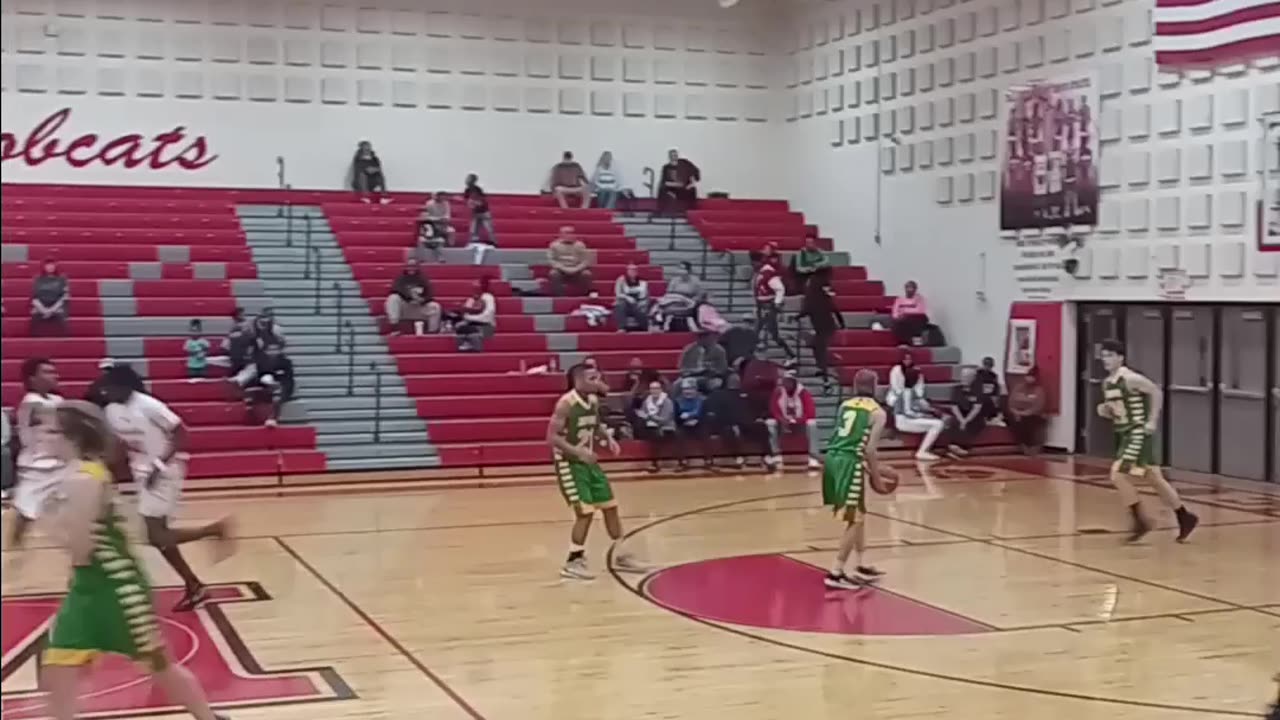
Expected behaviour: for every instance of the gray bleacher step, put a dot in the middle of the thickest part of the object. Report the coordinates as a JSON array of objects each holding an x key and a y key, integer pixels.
[
  {"x": 388, "y": 427},
  {"x": 384, "y": 463},
  {"x": 364, "y": 414},
  {"x": 365, "y": 437},
  {"x": 363, "y": 382},
  {"x": 361, "y": 405},
  {"x": 383, "y": 448},
  {"x": 255, "y": 210}
]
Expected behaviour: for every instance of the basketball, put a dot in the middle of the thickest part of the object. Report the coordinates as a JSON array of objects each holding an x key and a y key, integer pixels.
[
  {"x": 1104, "y": 410},
  {"x": 886, "y": 482}
]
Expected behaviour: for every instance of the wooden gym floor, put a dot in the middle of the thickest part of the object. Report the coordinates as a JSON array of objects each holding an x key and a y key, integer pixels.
[{"x": 1010, "y": 596}]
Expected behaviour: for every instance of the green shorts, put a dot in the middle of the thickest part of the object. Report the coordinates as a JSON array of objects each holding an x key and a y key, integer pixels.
[
  {"x": 584, "y": 486},
  {"x": 1135, "y": 451},
  {"x": 844, "y": 480},
  {"x": 106, "y": 613}
]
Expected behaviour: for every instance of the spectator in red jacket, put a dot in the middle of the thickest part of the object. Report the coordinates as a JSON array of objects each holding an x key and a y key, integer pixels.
[
  {"x": 770, "y": 293},
  {"x": 792, "y": 410}
]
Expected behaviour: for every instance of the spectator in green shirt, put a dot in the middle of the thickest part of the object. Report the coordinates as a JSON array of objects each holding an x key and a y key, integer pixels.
[
  {"x": 808, "y": 261},
  {"x": 197, "y": 348}
]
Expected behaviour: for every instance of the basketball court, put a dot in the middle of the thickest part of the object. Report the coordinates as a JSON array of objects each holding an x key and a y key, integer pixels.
[{"x": 1010, "y": 594}]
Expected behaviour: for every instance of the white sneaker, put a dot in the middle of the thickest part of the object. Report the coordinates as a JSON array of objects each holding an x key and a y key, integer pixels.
[
  {"x": 842, "y": 582},
  {"x": 926, "y": 456},
  {"x": 773, "y": 462},
  {"x": 815, "y": 464},
  {"x": 626, "y": 562},
  {"x": 271, "y": 422},
  {"x": 576, "y": 570}
]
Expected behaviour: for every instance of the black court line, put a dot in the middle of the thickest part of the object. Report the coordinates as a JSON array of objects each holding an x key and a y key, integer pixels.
[
  {"x": 439, "y": 682},
  {"x": 992, "y": 684},
  {"x": 1082, "y": 566}
]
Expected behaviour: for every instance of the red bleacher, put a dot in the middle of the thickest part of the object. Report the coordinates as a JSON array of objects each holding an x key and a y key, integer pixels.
[{"x": 102, "y": 234}]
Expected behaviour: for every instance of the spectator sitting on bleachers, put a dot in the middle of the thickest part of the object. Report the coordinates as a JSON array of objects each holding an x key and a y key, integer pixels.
[
  {"x": 568, "y": 179},
  {"x": 475, "y": 322},
  {"x": 739, "y": 341},
  {"x": 770, "y": 294},
  {"x": 435, "y": 226},
  {"x": 1026, "y": 411},
  {"x": 50, "y": 293},
  {"x": 678, "y": 191},
  {"x": 810, "y": 260},
  {"x": 267, "y": 330},
  {"x": 570, "y": 262},
  {"x": 684, "y": 292},
  {"x": 631, "y": 302},
  {"x": 481, "y": 217},
  {"x": 606, "y": 181},
  {"x": 197, "y": 349},
  {"x": 903, "y": 376},
  {"x": 912, "y": 413},
  {"x": 245, "y": 348},
  {"x": 704, "y": 359},
  {"x": 910, "y": 315},
  {"x": 411, "y": 300},
  {"x": 729, "y": 416},
  {"x": 989, "y": 389},
  {"x": 237, "y": 346},
  {"x": 366, "y": 173},
  {"x": 689, "y": 407},
  {"x": 792, "y": 409},
  {"x": 968, "y": 416},
  {"x": 655, "y": 422},
  {"x": 273, "y": 382}
]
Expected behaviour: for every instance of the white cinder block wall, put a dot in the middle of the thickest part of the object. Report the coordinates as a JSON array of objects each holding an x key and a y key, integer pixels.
[
  {"x": 441, "y": 88},
  {"x": 1179, "y": 165}
]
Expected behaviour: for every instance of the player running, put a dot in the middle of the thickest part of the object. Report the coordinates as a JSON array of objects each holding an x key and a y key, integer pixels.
[
  {"x": 108, "y": 604},
  {"x": 39, "y": 466},
  {"x": 573, "y": 432},
  {"x": 851, "y": 459},
  {"x": 155, "y": 437},
  {"x": 1132, "y": 402}
]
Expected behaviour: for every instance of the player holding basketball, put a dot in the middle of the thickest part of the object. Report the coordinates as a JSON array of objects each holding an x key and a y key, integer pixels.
[
  {"x": 39, "y": 467},
  {"x": 108, "y": 604},
  {"x": 1132, "y": 402},
  {"x": 155, "y": 437},
  {"x": 852, "y": 459},
  {"x": 573, "y": 432}
]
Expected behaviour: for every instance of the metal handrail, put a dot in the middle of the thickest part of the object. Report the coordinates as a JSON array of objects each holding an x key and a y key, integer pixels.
[
  {"x": 280, "y": 171},
  {"x": 377, "y": 400},
  {"x": 733, "y": 276},
  {"x": 351, "y": 359},
  {"x": 306, "y": 259},
  {"x": 650, "y": 181},
  {"x": 337, "y": 324},
  {"x": 319, "y": 273}
]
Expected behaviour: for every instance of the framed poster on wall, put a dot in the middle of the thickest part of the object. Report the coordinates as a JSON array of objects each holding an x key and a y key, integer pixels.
[
  {"x": 1020, "y": 349},
  {"x": 1269, "y": 196},
  {"x": 1049, "y": 163}
]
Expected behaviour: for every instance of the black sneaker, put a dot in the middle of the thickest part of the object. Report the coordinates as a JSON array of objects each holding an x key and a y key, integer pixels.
[
  {"x": 1187, "y": 522},
  {"x": 841, "y": 582},
  {"x": 192, "y": 599},
  {"x": 1140, "y": 528},
  {"x": 867, "y": 573}
]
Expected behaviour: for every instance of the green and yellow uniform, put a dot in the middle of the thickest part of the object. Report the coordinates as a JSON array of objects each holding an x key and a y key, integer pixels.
[
  {"x": 1130, "y": 412},
  {"x": 844, "y": 472},
  {"x": 108, "y": 605},
  {"x": 584, "y": 485}
]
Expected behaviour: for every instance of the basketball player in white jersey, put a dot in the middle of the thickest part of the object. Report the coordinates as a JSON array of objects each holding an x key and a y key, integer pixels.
[
  {"x": 155, "y": 437},
  {"x": 39, "y": 465}
]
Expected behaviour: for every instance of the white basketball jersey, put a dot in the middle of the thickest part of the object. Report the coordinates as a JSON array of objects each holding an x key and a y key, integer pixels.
[
  {"x": 1039, "y": 175},
  {"x": 1053, "y": 178},
  {"x": 38, "y": 431},
  {"x": 144, "y": 424}
]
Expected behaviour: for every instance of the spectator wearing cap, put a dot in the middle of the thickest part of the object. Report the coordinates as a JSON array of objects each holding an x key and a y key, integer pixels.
[
  {"x": 792, "y": 410},
  {"x": 50, "y": 293}
]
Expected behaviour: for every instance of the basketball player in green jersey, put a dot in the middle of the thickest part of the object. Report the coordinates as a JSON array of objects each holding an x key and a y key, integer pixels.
[
  {"x": 574, "y": 431},
  {"x": 851, "y": 459},
  {"x": 108, "y": 605},
  {"x": 1132, "y": 402}
]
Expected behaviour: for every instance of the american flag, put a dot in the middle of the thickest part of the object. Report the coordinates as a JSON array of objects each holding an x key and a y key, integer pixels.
[{"x": 1215, "y": 32}]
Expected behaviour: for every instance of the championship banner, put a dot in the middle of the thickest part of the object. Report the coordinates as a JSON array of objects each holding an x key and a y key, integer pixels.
[
  {"x": 1269, "y": 196},
  {"x": 1049, "y": 166}
]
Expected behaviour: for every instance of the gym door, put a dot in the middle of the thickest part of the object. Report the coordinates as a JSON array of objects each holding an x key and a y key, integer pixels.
[
  {"x": 1242, "y": 393},
  {"x": 1190, "y": 389},
  {"x": 1097, "y": 323}
]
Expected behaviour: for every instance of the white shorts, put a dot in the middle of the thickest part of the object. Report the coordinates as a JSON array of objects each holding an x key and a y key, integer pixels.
[
  {"x": 37, "y": 490},
  {"x": 161, "y": 499}
]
